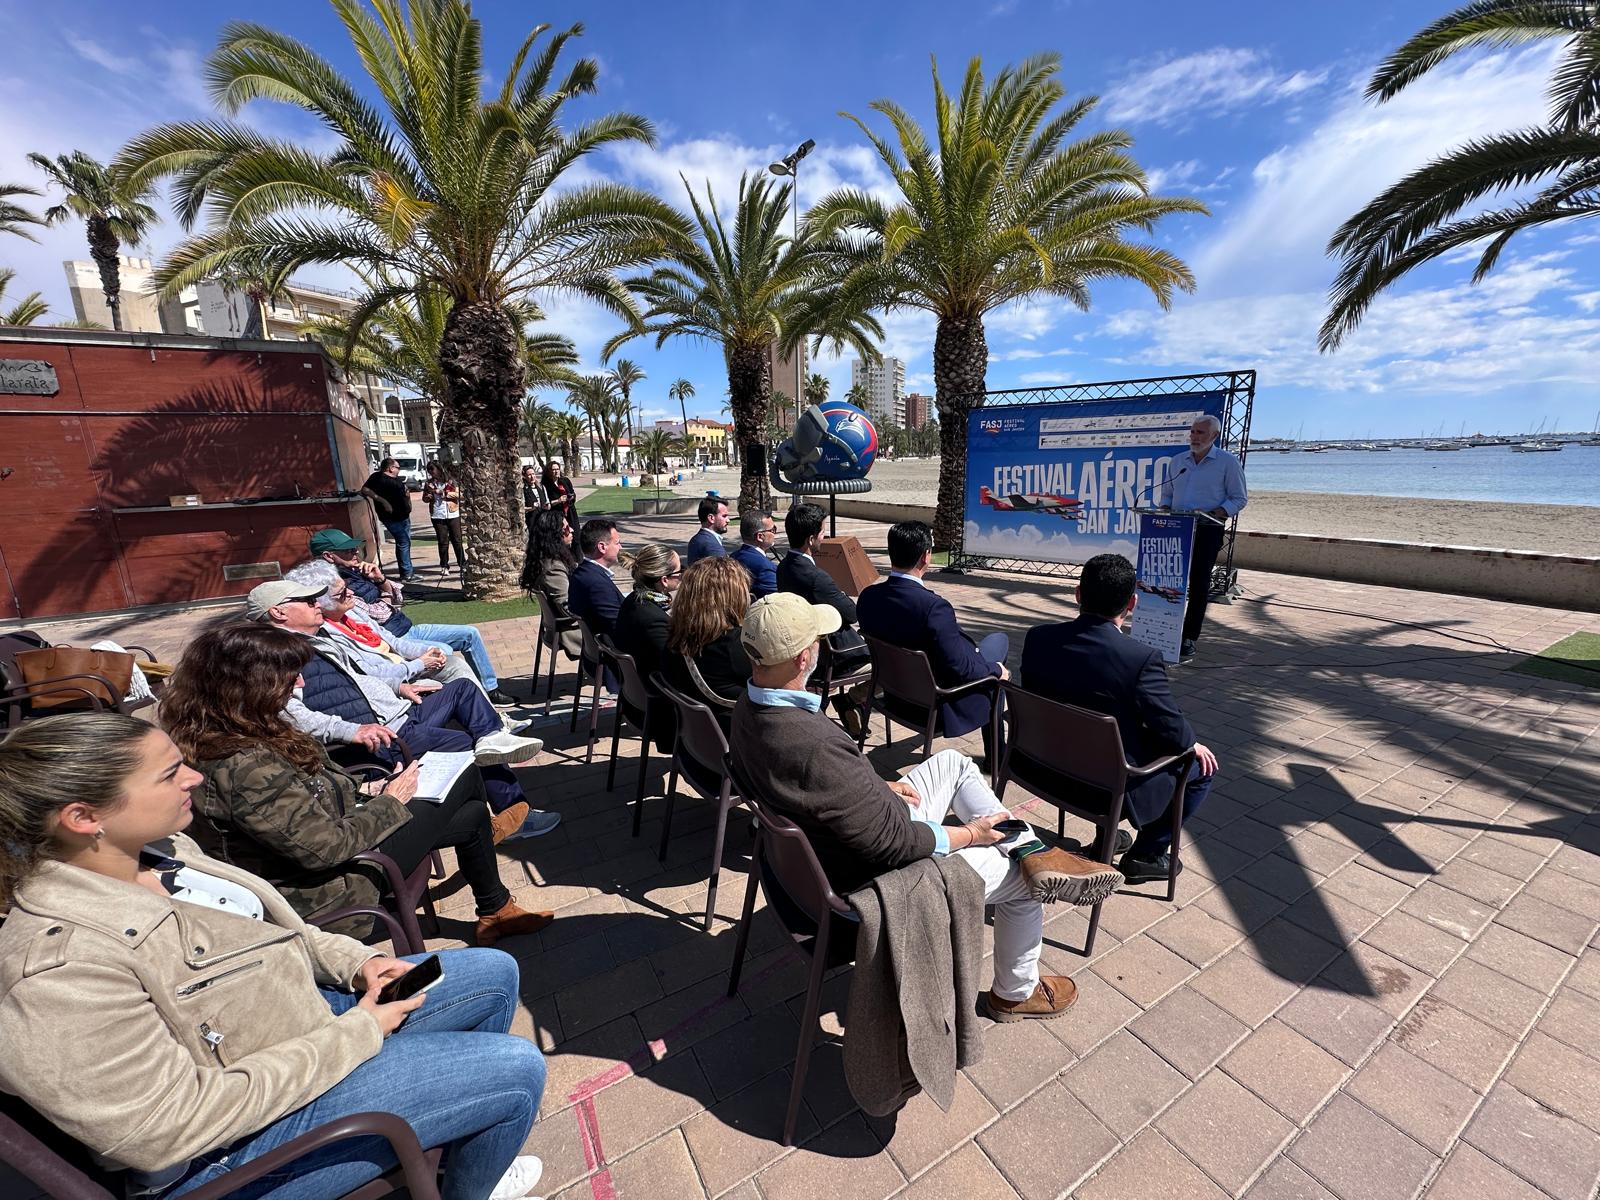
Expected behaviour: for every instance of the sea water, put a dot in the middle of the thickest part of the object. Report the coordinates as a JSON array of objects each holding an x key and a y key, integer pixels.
[{"x": 1570, "y": 476}]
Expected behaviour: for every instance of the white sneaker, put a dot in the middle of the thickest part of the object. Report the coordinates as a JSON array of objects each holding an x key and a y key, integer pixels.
[
  {"x": 502, "y": 747},
  {"x": 519, "y": 1178},
  {"x": 515, "y": 727}
]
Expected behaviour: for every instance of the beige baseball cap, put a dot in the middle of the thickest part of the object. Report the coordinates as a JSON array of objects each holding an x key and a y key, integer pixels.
[
  {"x": 269, "y": 595},
  {"x": 779, "y": 626}
]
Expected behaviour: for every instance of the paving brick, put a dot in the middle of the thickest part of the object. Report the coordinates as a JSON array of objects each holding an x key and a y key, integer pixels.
[
  {"x": 662, "y": 1168},
  {"x": 1018, "y": 1056},
  {"x": 1290, "y": 950},
  {"x": 1555, "y": 1154},
  {"x": 1388, "y": 1166},
  {"x": 919, "y": 1134},
  {"x": 1149, "y": 1168},
  {"x": 1484, "y": 993},
  {"x": 1196, "y": 935},
  {"x": 580, "y": 1059},
  {"x": 1558, "y": 1077},
  {"x": 1343, "y": 1025},
  {"x": 1241, "y": 984},
  {"x": 1225, "y": 1129},
  {"x": 1189, "y": 1031},
  {"x": 1448, "y": 910},
  {"x": 1454, "y": 1042},
  {"x": 1099, "y": 1012},
  {"x": 1236, "y": 903},
  {"x": 1470, "y": 1175},
  {"x": 1372, "y": 890},
  {"x": 1285, "y": 1181},
  {"x": 642, "y": 1108},
  {"x": 1281, "y": 876},
  {"x": 1124, "y": 1083},
  {"x": 841, "y": 1163},
  {"x": 1286, "y": 1069},
  {"x": 1415, "y": 1098},
  {"x": 743, "y": 1053},
  {"x": 1551, "y": 924},
  {"x": 1047, "y": 1144},
  {"x": 1572, "y": 1018},
  {"x": 967, "y": 1173},
  {"x": 1520, "y": 957},
  {"x": 1479, "y": 882},
  {"x": 737, "y": 1137},
  {"x": 1143, "y": 970},
  {"x": 1413, "y": 941},
  {"x": 1585, "y": 976},
  {"x": 1567, "y": 890}
]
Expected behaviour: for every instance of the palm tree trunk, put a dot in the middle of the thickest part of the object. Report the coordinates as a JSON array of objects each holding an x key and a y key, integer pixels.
[
  {"x": 484, "y": 375},
  {"x": 960, "y": 360},
  {"x": 749, "y": 393},
  {"x": 103, "y": 248},
  {"x": 689, "y": 451}
]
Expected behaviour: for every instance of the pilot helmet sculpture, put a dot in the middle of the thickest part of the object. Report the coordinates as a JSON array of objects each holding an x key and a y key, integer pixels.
[{"x": 832, "y": 448}]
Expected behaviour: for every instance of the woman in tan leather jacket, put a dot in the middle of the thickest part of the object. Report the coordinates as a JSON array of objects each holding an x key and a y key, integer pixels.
[{"x": 174, "y": 1015}]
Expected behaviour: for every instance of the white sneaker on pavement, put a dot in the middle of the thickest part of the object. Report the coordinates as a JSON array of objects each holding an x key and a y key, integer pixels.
[
  {"x": 502, "y": 747},
  {"x": 519, "y": 1178}
]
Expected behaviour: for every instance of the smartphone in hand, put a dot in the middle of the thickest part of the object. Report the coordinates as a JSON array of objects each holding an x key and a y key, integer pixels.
[
  {"x": 419, "y": 979},
  {"x": 1012, "y": 827}
]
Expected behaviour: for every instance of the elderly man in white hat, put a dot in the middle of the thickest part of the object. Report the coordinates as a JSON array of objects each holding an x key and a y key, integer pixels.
[{"x": 809, "y": 769}]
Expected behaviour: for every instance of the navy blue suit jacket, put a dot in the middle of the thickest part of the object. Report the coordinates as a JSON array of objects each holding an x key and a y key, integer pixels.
[
  {"x": 1090, "y": 663},
  {"x": 704, "y": 544},
  {"x": 593, "y": 595},
  {"x": 763, "y": 571},
  {"x": 903, "y": 613}
]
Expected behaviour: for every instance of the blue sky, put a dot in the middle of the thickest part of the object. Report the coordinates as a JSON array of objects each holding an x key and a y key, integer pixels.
[{"x": 1254, "y": 107}]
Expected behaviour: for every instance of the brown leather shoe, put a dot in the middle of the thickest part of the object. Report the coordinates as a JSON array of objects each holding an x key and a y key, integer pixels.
[
  {"x": 1055, "y": 875},
  {"x": 510, "y": 921},
  {"x": 1050, "y": 999},
  {"x": 508, "y": 822}
]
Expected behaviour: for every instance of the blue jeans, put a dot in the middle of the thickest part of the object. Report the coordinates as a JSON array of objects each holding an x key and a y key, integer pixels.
[
  {"x": 400, "y": 531},
  {"x": 428, "y": 728},
  {"x": 1156, "y": 837},
  {"x": 466, "y": 639},
  {"x": 452, "y": 1072}
]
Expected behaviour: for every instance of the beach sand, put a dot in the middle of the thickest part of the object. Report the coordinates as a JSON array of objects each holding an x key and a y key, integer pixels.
[{"x": 1547, "y": 528}]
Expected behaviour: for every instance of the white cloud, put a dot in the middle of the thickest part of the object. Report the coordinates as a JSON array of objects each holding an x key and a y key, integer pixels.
[
  {"x": 101, "y": 57},
  {"x": 1030, "y": 541},
  {"x": 1210, "y": 83},
  {"x": 1587, "y": 301}
]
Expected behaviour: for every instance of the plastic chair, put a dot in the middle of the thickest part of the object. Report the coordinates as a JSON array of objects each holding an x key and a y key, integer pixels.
[
  {"x": 92, "y": 690},
  {"x": 1070, "y": 757},
  {"x": 635, "y": 705},
  {"x": 590, "y": 666},
  {"x": 51, "y": 1160},
  {"x": 553, "y": 622},
  {"x": 699, "y": 752},
  {"x": 818, "y": 922},
  {"x": 911, "y": 697}
]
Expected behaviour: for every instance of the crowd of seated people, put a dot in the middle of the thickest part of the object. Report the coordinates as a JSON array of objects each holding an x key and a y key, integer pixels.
[{"x": 547, "y": 568}]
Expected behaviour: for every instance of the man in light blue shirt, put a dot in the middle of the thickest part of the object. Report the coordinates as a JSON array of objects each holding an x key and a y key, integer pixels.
[{"x": 1205, "y": 479}]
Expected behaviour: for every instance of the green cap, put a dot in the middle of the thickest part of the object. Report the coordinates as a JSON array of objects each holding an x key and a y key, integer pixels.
[{"x": 333, "y": 539}]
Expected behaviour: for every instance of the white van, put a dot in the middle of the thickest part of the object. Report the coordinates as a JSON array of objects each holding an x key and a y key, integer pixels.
[{"x": 413, "y": 458}]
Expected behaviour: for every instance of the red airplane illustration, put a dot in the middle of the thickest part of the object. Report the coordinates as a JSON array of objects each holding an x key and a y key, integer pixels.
[
  {"x": 1062, "y": 506},
  {"x": 1166, "y": 593}
]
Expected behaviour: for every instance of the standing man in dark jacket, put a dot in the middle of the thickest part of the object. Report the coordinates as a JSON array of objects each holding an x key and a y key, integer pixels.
[
  {"x": 904, "y": 611},
  {"x": 757, "y": 532},
  {"x": 707, "y": 541},
  {"x": 807, "y": 768},
  {"x": 592, "y": 594},
  {"x": 1089, "y": 663},
  {"x": 388, "y": 491}
]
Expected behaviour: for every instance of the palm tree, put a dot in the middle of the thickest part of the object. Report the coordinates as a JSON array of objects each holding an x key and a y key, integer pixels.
[
  {"x": 114, "y": 210},
  {"x": 682, "y": 391},
  {"x": 1001, "y": 209},
  {"x": 1421, "y": 217},
  {"x": 782, "y": 402},
  {"x": 596, "y": 397},
  {"x": 536, "y": 426},
  {"x": 13, "y": 217},
  {"x": 567, "y": 431},
  {"x": 437, "y": 181},
  {"x": 651, "y": 449},
  {"x": 27, "y": 311},
  {"x": 858, "y": 395},
  {"x": 816, "y": 388},
  {"x": 625, "y": 374},
  {"x": 749, "y": 289}
]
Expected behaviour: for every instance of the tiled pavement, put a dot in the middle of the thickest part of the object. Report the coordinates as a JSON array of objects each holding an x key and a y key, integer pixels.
[{"x": 1381, "y": 978}]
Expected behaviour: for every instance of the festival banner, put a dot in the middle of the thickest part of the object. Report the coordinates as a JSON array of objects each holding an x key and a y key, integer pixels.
[
  {"x": 1166, "y": 544},
  {"x": 1061, "y": 482}
]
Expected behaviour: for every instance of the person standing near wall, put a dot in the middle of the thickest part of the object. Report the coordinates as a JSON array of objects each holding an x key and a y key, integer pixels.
[
  {"x": 387, "y": 490},
  {"x": 443, "y": 499}
]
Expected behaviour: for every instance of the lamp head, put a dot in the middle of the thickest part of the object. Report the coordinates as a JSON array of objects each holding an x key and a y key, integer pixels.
[{"x": 779, "y": 168}]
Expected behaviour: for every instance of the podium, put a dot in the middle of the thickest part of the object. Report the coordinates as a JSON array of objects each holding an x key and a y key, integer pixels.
[
  {"x": 1166, "y": 552},
  {"x": 846, "y": 563}
]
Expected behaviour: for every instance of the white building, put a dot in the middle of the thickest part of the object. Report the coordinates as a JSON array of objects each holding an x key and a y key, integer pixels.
[{"x": 885, "y": 384}]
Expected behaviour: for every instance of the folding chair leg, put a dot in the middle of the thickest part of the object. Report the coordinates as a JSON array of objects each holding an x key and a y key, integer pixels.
[
  {"x": 594, "y": 722},
  {"x": 1094, "y": 928},
  {"x": 742, "y": 941},
  {"x": 1061, "y": 822},
  {"x": 577, "y": 700},
  {"x": 644, "y": 762},
  {"x": 550, "y": 681},
  {"x": 808, "y": 1035},
  {"x": 1172, "y": 850},
  {"x": 666, "y": 815},
  {"x": 724, "y": 803},
  {"x": 616, "y": 736},
  {"x": 538, "y": 656}
]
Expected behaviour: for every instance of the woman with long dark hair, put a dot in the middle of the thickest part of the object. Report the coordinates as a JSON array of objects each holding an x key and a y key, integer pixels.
[
  {"x": 176, "y": 1016},
  {"x": 559, "y": 493},
  {"x": 548, "y": 565},
  {"x": 443, "y": 499},
  {"x": 707, "y": 611},
  {"x": 274, "y": 803}
]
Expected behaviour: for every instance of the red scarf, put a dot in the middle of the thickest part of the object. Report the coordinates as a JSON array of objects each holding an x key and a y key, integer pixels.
[{"x": 365, "y": 634}]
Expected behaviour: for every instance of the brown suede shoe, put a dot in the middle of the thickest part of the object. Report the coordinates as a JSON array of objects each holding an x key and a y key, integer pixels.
[
  {"x": 1054, "y": 875},
  {"x": 1050, "y": 999},
  {"x": 506, "y": 823},
  {"x": 509, "y": 922}
]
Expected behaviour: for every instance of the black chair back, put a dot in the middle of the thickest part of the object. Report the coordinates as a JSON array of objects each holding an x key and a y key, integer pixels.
[
  {"x": 553, "y": 620},
  {"x": 1077, "y": 743},
  {"x": 635, "y": 694},
  {"x": 707, "y": 693},
  {"x": 700, "y": 740},
  {"x": 48, "y": 1158},
  {"x": 592, "y": 653}
]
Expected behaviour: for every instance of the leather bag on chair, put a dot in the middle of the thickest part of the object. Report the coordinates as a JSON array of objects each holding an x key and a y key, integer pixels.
[{"x": 37, "y": 666}]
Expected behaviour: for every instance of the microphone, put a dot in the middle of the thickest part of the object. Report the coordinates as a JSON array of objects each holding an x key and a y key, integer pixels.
[{"x": 1182, "y": 471}]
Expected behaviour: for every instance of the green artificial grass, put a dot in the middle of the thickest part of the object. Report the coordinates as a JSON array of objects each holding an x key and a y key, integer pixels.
[
  {"x": 616, "y": 499},
  {"x": 469, "y": 612},
  {"x": 1574, "y": 659}
]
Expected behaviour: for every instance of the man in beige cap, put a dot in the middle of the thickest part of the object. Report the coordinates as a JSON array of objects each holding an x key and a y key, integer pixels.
[{"x": 810, "y": 770}]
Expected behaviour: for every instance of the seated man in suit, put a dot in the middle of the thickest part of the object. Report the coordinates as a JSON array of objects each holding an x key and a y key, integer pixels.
[
  {"x": 799, "y": 573},
  {"x": 1088, "y": 662},
  {"x": 757, "y": 532},
  {"x": 808, "y": 769},
  {"x": 904, "y": 611},
  {"x": 707, "y": 541},
  {"x": 592, "y": 595}
]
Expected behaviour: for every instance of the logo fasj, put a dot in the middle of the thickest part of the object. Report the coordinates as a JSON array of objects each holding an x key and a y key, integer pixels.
[{"x": 1001, "y": 424}]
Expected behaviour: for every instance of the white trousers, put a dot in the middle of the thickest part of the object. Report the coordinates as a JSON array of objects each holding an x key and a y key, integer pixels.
[{"x": 950, "y": 782}]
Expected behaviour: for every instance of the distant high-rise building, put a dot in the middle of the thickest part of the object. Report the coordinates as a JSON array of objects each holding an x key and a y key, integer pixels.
[
  {"x": 919, "y": 410},
  {"x": 885, "y": 382},
  {"x": 788, "y": 374},
  {"x": 142, "y": 312}
]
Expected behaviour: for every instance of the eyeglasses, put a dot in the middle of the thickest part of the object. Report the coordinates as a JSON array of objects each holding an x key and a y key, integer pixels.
[{"x": 343, "y": 594}]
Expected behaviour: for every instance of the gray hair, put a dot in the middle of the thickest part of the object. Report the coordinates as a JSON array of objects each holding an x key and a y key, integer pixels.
[
  {"x": 1216, "y": 425},
  {"x": 48, "y": 764},
  {"x": 651, "y": 565},
  {"x": 751, "y": 521},
  {"x": 318, "y": 574}
]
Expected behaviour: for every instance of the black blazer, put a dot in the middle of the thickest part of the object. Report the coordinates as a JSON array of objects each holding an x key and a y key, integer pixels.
[
  {"x": 798, "y": 574},
  {"x": 1088, "y": 662},
  {"x": 593, "y": 595},
  {"x": 641, "y": 631},
  {"x": 723, "y": 665}
]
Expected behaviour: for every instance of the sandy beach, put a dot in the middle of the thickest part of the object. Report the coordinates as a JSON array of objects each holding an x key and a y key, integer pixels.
[{"x": 1548, "y": 528}]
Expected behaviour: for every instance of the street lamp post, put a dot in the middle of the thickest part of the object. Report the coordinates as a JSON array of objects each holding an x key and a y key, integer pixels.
[{"x": 789, "y": 166}]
